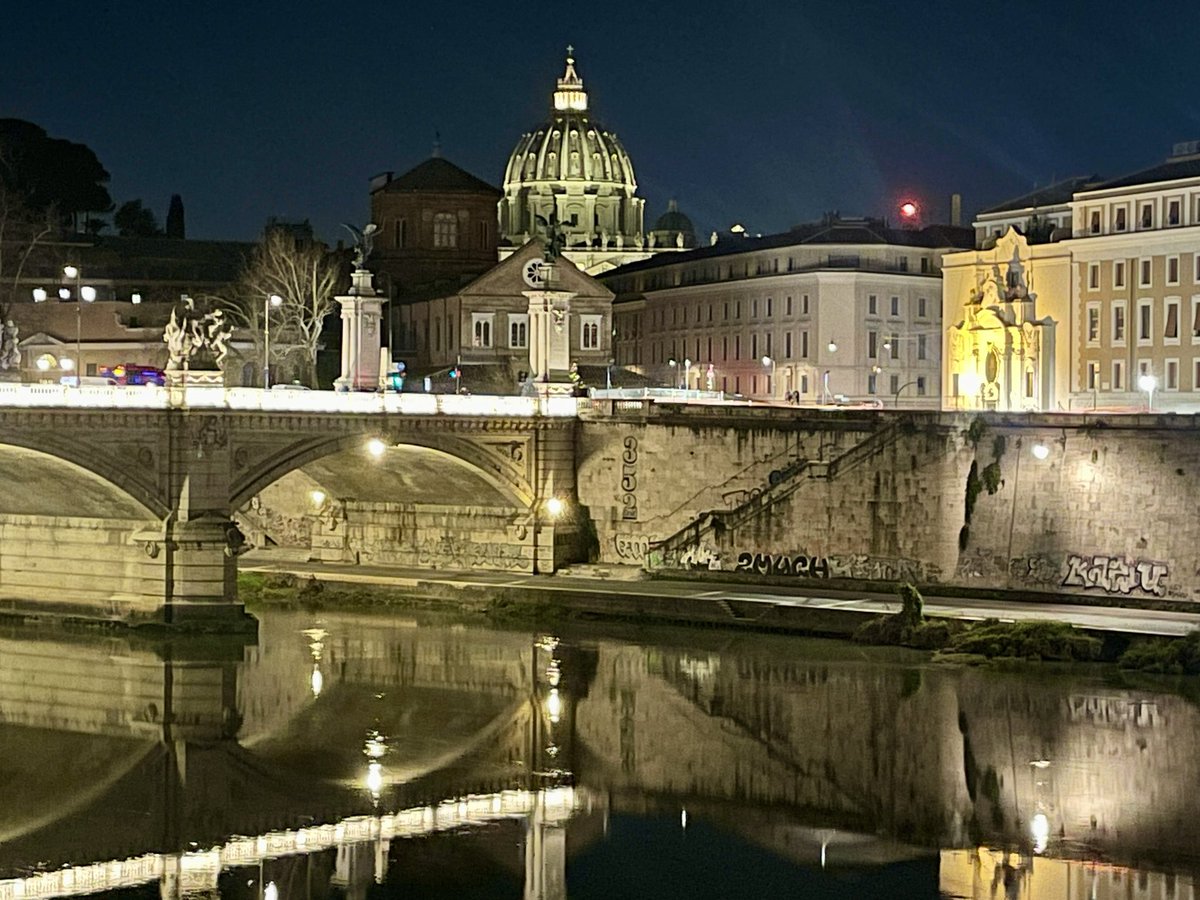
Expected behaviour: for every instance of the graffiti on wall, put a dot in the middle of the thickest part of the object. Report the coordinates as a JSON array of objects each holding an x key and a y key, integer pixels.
[
  {"x": 631, "y": 547},
  {"x": 1116, "y": 575},
  {"x": 450, "y": 551},
  {"x": 700, "y": 558},
  {"x": 629, "y": 458},
  {"x": 857, "y": 566},
  {"x": 1110, "y": 574}
]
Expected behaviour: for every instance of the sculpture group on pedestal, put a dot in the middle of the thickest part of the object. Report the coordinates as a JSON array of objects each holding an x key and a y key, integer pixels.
[
  {"x": 10, "y": 351},
  {"x": 196, "y": 341}
]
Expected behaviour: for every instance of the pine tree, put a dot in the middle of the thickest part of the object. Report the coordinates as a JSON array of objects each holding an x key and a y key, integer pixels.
[{"x": 175, "y": 227}]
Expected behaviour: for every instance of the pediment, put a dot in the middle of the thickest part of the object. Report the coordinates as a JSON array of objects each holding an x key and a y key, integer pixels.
[
  {"x": 41, "y": 339},
  {"x": 506, "y": 278}
]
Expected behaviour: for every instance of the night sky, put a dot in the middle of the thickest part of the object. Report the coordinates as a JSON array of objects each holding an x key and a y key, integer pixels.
[{"x": 763, "y": 113}]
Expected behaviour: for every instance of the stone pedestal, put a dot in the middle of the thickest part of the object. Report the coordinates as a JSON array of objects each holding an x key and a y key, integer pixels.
[
  {"x": 362, "y": 314},
  {"x": 180, "y": 380},
  {"x": 549, "y": 336}
]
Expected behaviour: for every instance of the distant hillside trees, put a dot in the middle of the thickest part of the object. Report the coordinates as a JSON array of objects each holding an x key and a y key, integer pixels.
[
  {"x": 132, "y": 219},
  {"x": 52, "y": 174},
  {"x": 175, "y": 228}
]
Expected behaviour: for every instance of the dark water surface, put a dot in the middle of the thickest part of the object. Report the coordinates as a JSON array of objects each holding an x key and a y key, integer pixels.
[{"x": 350, "y": 755}]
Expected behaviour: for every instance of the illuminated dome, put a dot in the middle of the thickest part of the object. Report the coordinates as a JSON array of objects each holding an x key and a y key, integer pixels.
[
  {"x": 573, "y": 168},
  {"x": 673, "y": 229}
]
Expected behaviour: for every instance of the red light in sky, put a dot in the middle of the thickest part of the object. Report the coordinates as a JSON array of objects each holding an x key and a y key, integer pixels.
[{"x": 908, "y": 209}]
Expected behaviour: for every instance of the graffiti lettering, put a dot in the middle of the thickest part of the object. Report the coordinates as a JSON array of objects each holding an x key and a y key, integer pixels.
[
  {"x": 1115, "y": 575},
  {"x": 700, "y": 558},
  {"x": 629, "y": 510},
  {"x": 800, "y": 566},
  {"x": 631, "y": 547}
]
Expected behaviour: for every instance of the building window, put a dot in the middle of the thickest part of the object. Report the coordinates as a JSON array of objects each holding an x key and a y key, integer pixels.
[
  {"x": 1196, "y": 375},
  {"x": 1144, "y": 321},
  {"x": 1172, "y": 375},
  {"x": 1118, "y": 323},
  {"x": 895, "y": 306},
  {"x": 590, "y": 332},
  {"x": 754, "y": 346},
  {"x": 1120, "y": 223},
  {"x": 726, "y": 310},
  {"x": 1196, "y": 269},
  {"x": 725, "y": 348},
  {"x": 872, "y": 305},
  {"x": 872, "y": 344},
  {"x": 804, "y": 301},
  {"x": 924, "y": 265},
  {"x": 1118, "y": 375},
  {"x": 921, "y": 346},
  {"x": 1172, "y": 213},
  {"x": 788, "y": 310},
  {"x": 871, "y": 384},
  {"x": 754, "y": 308},
  {"x": 804, "y": 382},
  {"x": 518, "y": 330},
  {"x": 445, "y": 230},
  {"x": 1029, "y": 384},
  {"x": 894, "y": 383},
  {"x": 1093, "y": 276},
  {"x": 920, "y": 385},
  {"x": 1171, "y": 331},
  {"x": 1093, "y": 323},
  {"x": 804, "y": 345},
  {"x": 1094, "y": 222},
  {"x": 787, "y": 345},
  {"x": 770, "y": 304},
  {"x": 481, "y": 329},
  {"x": 770, "y": 352},
  {"x": 400, "y": 239},
  {"x": 737, "y": 310},
  {"x": 1172, "y": 270},
  {"x": 1147, "y": 220},
  {"x": 737, "y": 346},
  {"x": 1196, "y": 320},
  {"x": 920, "y": 307},
  {"x": 1119, "y": 273},
  {"x": 1144, "y": 273},
  {"x": 1093, "y": 375}
]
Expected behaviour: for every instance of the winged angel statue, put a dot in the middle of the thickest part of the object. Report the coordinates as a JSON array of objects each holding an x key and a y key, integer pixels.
[{"x": 364, "y": 240}]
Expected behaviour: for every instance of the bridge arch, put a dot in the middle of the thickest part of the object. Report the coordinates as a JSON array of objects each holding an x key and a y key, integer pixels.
[
  {"x": 482, "y": 461},
  {"x": 87, "y": 464}
]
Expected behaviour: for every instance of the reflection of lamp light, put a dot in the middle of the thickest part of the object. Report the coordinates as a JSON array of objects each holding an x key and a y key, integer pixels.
[
  {"x": 1040, "y": 451},
  {"x": 317, "y": 497},
  {"x": 1148, "y": 383},
  {"x": 554, "y": 706},
  {"x": 317, "y": 681},
  {"x": 554, "y": 507},
  {"x": 1039, "y": 827},
  {"x": 374, "y": 779},
  {"x": 271, "y": 892},
  {"x": 376, "y": 447}
]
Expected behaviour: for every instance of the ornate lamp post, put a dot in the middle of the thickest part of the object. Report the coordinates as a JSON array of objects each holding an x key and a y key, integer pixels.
[
  {"x": 83, "y": 294},
  {"x": 769, "y": 361}
]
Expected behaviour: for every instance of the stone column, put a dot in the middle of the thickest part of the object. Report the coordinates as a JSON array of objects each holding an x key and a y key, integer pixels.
[
  {"x": 550, "y": 340},
  {"x": 361, "y": 319}
]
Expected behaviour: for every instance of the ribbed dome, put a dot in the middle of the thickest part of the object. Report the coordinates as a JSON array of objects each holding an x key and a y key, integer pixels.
[
  {"x": 572, "y": 171},
  {"x": 570, "y": 145}
]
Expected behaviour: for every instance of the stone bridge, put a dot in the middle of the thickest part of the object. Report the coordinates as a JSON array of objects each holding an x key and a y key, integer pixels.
[{"x": 122, "y": 502}]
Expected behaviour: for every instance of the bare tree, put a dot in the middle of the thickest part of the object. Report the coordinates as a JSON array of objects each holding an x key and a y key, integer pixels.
[
  {"x": 306, "y": 275},
  {"x": 23, "y": 234}
]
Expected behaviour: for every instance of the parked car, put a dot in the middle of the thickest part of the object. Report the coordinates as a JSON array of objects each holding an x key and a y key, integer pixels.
[{"x": 130, "y": 373}]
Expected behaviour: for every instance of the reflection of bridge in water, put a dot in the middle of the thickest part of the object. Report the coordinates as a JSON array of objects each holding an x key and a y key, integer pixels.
[{"x": 114, "y": 751}]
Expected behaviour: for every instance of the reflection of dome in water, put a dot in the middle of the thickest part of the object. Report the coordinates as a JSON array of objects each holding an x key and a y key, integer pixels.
[{"x": 573, "y": 168}]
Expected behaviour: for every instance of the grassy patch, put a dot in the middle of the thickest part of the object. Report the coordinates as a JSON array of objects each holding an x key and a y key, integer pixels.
[
  {"x": 1026, "y": 640},
  {"x": 962, "y": 642},
  {"x": 1165, "y": 656}
]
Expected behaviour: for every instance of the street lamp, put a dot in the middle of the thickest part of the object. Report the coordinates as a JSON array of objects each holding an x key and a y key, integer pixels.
[
  {"x": 832, "y": 346},
  {"x": 1148, "y": 383},
  {"x": 687, "y": 374},
  {"x": 768, "y": 361},
  {"x": 268, "y": 302},
  {"x": 674, "y": 377},
  {"x": 83, "y": 294}
]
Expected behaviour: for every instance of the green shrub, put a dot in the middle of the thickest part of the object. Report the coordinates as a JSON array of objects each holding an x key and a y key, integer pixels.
[
  {"x": 1028, "y": 640},
  {"x": 1168, "y": 656}
]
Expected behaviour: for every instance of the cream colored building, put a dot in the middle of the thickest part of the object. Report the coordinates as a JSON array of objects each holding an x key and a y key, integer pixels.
[
  {"x": 1090, "y": 285},
  {"x": 845, "y": 310}
]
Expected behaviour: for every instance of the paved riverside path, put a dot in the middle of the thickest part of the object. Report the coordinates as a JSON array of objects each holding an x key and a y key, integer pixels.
[{"x": 1095, "y": 618}]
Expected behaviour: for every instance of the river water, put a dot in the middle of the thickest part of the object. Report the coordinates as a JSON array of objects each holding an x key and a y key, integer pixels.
[{"x": 355, "y": 755}]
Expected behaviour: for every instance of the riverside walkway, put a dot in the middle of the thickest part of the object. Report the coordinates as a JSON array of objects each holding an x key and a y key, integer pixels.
[{"x": 614, "y": 591}]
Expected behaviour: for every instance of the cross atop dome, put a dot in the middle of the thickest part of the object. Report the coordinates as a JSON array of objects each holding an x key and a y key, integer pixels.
[{"x": 570, "y": 94}]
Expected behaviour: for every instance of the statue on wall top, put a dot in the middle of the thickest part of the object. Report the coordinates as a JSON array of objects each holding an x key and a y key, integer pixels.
[
  {"x": 196, "y": 341},
  {"x": 10, "y": 351},
  {"x": 554, "y": 238},
  {"x": 364, "y": 241}
]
